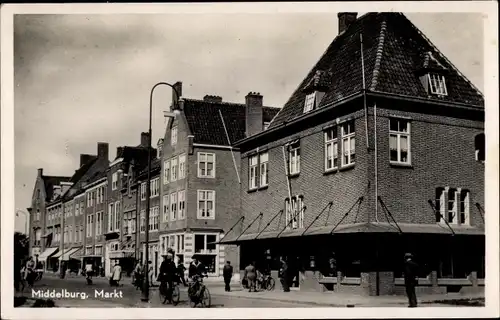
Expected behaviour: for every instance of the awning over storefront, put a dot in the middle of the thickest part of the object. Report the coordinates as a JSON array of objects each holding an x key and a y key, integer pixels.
[
  {"x": 69, "y": 254},
  {"x": 47, "y": 253},
  {"x": 372, "y": 227},
  {"x": 60, "y": 253},
  {"x": 121, "y": 254}
]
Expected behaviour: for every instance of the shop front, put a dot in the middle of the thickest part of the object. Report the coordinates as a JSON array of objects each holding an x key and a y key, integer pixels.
[
  {"x": 45, "y": 258},
  {"x": 368, "y": 258},
  {"x": 71, "y": 258}
]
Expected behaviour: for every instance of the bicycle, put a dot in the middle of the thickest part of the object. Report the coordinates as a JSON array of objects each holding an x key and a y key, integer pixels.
[
  {"x": 268, "y": 283},
  {"x": 198, "y": 293},
  {"x": 174, "y": 296}
]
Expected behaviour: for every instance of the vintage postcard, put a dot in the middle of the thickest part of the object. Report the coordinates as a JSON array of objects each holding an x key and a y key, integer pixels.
[{"x": 249, "y": 160}]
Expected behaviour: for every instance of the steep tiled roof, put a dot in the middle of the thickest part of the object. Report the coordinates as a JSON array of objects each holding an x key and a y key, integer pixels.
[
  {"x": 155, "y": 168},
  {"x": 394, "y": 51},
  {"x": 205, "y": 122},
  {"x": 50, "y": 182}
]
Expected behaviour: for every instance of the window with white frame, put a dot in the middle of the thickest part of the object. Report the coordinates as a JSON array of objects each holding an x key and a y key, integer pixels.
[
  {"x": 173, "y": 206},
  {"x": 437, "y": 84},
  {"x": 90, "y": 225},
  {"x": 331, "y": 149},
  {"x": 440, "y": 205},
  {"x": 156, "y": 219},
  {"x": 348, "y": 143},
  {"x": 453, "y": 199},
  {"x": 181, "y": 198},
  {"x": 464, "y": 207},
  {"x": 206, "y": 165},
  {"x": 253, "y": 163},
  {"x": 166, "y": 207},
  {"x": 206, "y": 204},
  {"x": 182, "y": 166},
  {"x": 294, "y": 212},
  {"x": 166, "y": 171},
  {"x": 88, "y": 200},
  {"x": 88, "y": 250},
  {"x": 102, "y": 194},
  {"x": 134, "y": 221},
  {"x": 263, "y": 168},
  {"x": 77, "y": 209},
  {"x": 99, "y": 221},
  {"x": 117, "y": 216},
  {"x": 143, "y": 221},
  {"x": 399, "y": 140},
  {"x": 143, "y": 191},
  {"x": 294, "y": 158},
  {"x": 309, "y": 102},
  {"x": 81, "y": 232},
  {"x": 66, "y": 233},
  {"x": 173, "y": 169},
  {"x": 98, "y": 250},
  {"x": 173, "y": 137},
  {"x": 153, "y": 219},
  {"x": 111, "y": 216},
  {"x": 206, "y": 249},
  {"x": 155, "y": 187},
  {"x": 77, "y": 234}
]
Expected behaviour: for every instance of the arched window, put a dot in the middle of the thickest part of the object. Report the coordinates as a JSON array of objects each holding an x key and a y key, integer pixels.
[{"x": 480, "y": 146}]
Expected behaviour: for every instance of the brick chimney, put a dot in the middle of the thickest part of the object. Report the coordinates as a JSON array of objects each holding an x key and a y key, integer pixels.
[
  {"x": 86, "y": 158},
  {"x": 144, "y": 139},
  {"x": 209, "y": 98},
  {"x": 253, "y": 112},
  {"x": 40, "y": 172},
  {"x": 346, "y": 19},
  {"x": 175, "y": 98},
  {"x": 103, "y": 150}
]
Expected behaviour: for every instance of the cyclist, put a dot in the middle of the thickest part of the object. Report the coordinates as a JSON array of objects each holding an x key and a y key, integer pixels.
[
  {"x": 196, "y": 271},
  {"x": 168, "y": 272}
]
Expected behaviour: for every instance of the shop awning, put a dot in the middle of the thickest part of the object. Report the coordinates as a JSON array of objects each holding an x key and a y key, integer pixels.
[
  {"x": 47, "y": 253},
  {"x": 60, "y": 253},
  {"x": 121, "y": 254},
  {"x": 127, "y": 244},
  {"x": 373, "y": 227},
  {"x": 69, "y": 254}
]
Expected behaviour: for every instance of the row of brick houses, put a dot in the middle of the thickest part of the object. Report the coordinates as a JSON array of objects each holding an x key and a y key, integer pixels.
[
  {"x": 379, "y": 151},
  {"x": 98, "y": 215}
]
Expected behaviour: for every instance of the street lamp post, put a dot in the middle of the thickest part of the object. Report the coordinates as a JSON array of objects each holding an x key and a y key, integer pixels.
[{"x": 145, "y": 289}]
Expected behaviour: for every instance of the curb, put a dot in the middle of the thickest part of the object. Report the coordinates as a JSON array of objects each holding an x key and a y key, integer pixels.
[{"x": 352, "y": 305}]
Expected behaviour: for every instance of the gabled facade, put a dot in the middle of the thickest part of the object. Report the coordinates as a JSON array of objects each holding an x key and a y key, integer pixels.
[
  {"x": 200, "y": 175},
  {"x": 369, "y": 171}
]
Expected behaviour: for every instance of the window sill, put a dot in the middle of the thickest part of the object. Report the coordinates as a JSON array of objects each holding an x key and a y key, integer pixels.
[
  {"x": 263, "y": 187},
  {"x": 252, "y": 190},
  {"x": 347, "y": 167},
  {"x": 330, "y": 171},
  {"x": 206, "y": 177},
  {"x": 205, "y": 218},
  {"x": 294, "y": 175},
  {"x": 401, "y": 165}
]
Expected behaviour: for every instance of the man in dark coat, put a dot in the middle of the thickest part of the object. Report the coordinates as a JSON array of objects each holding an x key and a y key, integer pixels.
[
  {"x": 411, "y": 280},
  {"x": 283, "y": 275},
  {"x": 228, "y": 274},
  {"x": 168, "y": 272}
]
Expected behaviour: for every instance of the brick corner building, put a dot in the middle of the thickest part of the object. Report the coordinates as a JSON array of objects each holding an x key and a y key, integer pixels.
[{"x": 379, "y": 151}]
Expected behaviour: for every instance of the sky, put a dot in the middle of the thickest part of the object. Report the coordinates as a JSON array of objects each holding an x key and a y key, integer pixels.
[{"x": 83, "y": 79}]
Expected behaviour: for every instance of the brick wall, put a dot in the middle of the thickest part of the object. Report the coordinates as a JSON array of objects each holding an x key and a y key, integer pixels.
[
  {"x": 442, "y": 155},
  {"x": 317, "y": 187}
]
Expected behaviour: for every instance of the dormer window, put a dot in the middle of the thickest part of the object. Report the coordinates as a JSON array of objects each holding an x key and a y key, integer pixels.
[
  {"x": 312, "y": 100},
  {"x": 437, "y": 84}
]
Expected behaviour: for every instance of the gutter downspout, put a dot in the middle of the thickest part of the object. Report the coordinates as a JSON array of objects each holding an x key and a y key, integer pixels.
[
  {"x": 376, "y": 160},
  {"x": 287, "y": 177},
  {"x": 364, "y": 92}
]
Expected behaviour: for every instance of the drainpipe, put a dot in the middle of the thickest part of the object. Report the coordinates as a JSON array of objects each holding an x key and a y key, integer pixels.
[{"x": 376, "y": 160}]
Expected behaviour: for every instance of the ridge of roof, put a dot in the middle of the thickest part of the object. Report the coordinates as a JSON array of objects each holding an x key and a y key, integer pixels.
[{"x": 379, "y": 55}]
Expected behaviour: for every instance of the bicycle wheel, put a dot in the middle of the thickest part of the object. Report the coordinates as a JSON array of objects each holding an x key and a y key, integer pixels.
[
  {"x": 163, "y": 294},
  {"x": 270, "y": 284},
  {"x": 206, "y": 300},
  {"x": 176, "y": 294}
]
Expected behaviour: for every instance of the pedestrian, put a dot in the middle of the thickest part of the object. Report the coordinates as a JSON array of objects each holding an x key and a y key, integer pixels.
[
  {"x": 150, "y": 273},
  {"x": 251, "y": 275},
  {"x": 227, "y": 272},
  {"x": 332, "y": 266},
  {"x": 411, "y": 280},
  {"x": 116, "y": 275},
  {"x": 30, "y": 272},
  {"x": 180, "y": 271},
  {"x": 89, "y": 272},
  {"x": 283, "y": 275}
]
